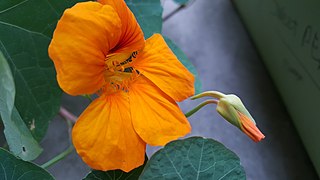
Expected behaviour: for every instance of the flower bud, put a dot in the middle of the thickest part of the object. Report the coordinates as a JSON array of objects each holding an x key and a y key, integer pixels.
[{"x": 232, "y": 109}]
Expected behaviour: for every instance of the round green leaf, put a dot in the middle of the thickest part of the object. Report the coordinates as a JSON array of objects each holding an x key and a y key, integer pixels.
[
  {"x": 194, "y": 158},
  {"x": 14, "y": 168},
  {"x": 116, "y": 174}
]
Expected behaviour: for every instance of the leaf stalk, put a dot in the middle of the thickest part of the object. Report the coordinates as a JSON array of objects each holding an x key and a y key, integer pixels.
[
  {"x": 59, "y": 157},
  {"x": 197, "y": 108}
]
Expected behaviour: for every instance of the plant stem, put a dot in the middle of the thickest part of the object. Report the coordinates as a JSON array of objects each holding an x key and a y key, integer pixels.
[
  {"x": 182, "y": 6},
  {"x": 58, "y": 157},
  {"x": 214, "y": 94},
  {"x": 70, "y": 125},
  {"x": 197, "y": 108},
  {"x": 174, "y": 12},
  {"x": 70, "y": 119},
  {"x": 67, "y": 115}
]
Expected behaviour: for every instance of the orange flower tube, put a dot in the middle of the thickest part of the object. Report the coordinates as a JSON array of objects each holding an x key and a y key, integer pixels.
[
  {"x": 250, "y": 128},
  {"x": 98, "y": 47}
]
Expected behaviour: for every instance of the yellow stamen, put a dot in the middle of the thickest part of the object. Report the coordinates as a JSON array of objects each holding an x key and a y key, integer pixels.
[{"x": 118, "y": 72}]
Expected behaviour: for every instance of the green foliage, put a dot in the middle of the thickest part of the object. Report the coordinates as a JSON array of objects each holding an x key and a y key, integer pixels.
[
  {"x": 26, "y": 27},
  {"x": 13, "y": 168},
  {"x": 186, "y": 62},
  {"x": 194, "y": 158},
  {"x": 7, "y": 89},
  {"x": 18, "y": 136},
  {"x": 116, "y": 174},
  {"x": 181, "y": 2},
  {"x": 148, "y": 14}
]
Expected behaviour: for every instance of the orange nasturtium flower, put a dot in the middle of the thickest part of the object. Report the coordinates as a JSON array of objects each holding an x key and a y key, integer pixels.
[{"x": 98, "y": 47}]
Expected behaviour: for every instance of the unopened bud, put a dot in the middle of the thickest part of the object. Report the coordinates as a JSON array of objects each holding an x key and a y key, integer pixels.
[{"x": 232, "y": 109}]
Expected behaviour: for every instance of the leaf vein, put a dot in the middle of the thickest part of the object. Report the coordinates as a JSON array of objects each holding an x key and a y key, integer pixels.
[
  {"x": 227, "y": 173},
  {"x": 199, "y": 166},
  {"x": 54, "y": 10},
  {"x": 95, "y": 176},
  {"x": 4, "y": 170},
  {"x": 23, "y": 29},
  {"x": 165, "y": 152},
  {"x": 24, "y": 81},
  {"x": 12, "y": 7}
]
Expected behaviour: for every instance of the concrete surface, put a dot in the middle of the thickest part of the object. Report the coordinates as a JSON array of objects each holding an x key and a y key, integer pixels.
[{"x": 213, "y": 37}]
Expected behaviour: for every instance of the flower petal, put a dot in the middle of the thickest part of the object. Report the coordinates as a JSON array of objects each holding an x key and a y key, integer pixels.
[
  {"x": 155, "y": 116},
  {"x": 157, "y": 62},
  {"x": 80, "y": 43},
  {"x": 249, "y": 128},
  {"x": 104, "y": 136},
  {"x": 132, "y": 38}
]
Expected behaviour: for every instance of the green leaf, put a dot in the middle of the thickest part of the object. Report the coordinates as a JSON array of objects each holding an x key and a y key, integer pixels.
[
  {"x": 14, "y": 168},
  {"x": 116, "y": 174},
  {"x": 181, "y": 2},
  {"x": 194, "y": 158},
  {"x": 19, "y": 137},
  {"x": 26, "y": 27},
  {"x": 7, "y": 88},
  {"x": 186, "y": 62},
  {"x": 148, "y": 14}
]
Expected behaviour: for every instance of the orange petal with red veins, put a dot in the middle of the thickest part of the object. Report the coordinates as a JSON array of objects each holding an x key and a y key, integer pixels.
[
  {"x": 158, "y": 63},
  {"x": 104, "y": 136},
  {"x": 80, "y": 43},
  {"x": 249, "y": 128},
  {"x": 132, "y": 38},
  {"x": 155, "y": 116}
]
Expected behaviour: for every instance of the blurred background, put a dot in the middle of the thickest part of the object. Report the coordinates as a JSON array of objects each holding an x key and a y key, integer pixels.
[{"x": 215, "y": 40}]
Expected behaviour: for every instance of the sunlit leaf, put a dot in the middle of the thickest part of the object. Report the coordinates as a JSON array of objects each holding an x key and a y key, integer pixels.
[
  {"x": 18, "y": 136},
  {"x": 194, "y": 158},
  {"x": 148, "y": 14},
  {"x": 26, "y": 27},
  {"x": 7, "y": 88},
  {"x": 12, "y": 168},
  {"x": 186, "y": 62},
  {"x": 116, "y": 174}
]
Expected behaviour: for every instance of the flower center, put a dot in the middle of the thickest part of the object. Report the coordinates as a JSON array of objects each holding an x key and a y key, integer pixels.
[{"x": 119, "y": 72}]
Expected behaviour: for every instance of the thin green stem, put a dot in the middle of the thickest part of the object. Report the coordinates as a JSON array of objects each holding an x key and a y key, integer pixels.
[
  {"x": 58, "y": 157},
  {"x": 215, "y": 94},
  {"x": 197, "y": 108},
  {"x": 70, "y": 119},
  {"x": 182, "y": 6},
  {"x": 70, "y": 125},
  {"x": 174, "y": 12}
]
